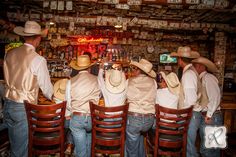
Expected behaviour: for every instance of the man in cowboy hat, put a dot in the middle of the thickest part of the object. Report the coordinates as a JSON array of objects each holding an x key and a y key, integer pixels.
[
  {"x": 114, "y": 87},
  {"x": 25, "y": 72},
  {"x": 141, "y": 96},
  {"x": 83, "y": 88},
  {"x": 192, "y": 93},
  {"x": 169, "y": 91},
  {"x": 210, "y": 99},
  {"x": 60, "y": 95}
]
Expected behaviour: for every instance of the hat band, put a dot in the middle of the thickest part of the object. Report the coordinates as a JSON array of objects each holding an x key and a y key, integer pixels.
[{"x": 61, "y": 91}]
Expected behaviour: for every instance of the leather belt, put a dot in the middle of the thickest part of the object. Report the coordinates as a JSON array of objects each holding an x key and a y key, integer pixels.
[
  {"x": 205, "y": 112},
  {"x": 81, "y": 114},
  {"x": 140, "y": 115}
]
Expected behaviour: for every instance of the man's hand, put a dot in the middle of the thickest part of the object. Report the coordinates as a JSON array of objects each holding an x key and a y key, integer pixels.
[{"x": 207, "y": 120}]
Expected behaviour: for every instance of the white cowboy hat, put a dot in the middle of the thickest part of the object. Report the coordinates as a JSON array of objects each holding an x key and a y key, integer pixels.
[
  {"x": 31, "y": 28},
  {"x": 115, "y": 81},
  {"x": 209, "y": 64},
  {"x": 82, "y": 62},
  {"x": 145, "y": 66},
  {"x": 59, "y": 89},
  {"x": 185, "y": 52},
  {"x": 172, "y": 82}
]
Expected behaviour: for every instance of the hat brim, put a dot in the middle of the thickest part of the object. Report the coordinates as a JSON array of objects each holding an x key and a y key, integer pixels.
[
  {"x": 20, "y": 31},
  {"x": 174, "y": 89},
  {"x": 151, "y": 73},
  {"x": 76, "y": 67},
  {"x": 56, "y": 87},
  {"x": 118, "y": 89},
  {"x": 211, "y": 67},
  {"x": 193, "y": 55}
]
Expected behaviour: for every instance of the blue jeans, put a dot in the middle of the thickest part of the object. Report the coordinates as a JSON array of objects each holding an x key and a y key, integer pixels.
[
  {"x": 198, "y": 122},
  {"x": 81, "y": 127},
  {"x": 16, "y": 121},
  {"x": 69, "y": 137},
  {"x": 194, "y": 125},
  {"x": 216, "y": 120},
  {"x": 134, "y": 139}
]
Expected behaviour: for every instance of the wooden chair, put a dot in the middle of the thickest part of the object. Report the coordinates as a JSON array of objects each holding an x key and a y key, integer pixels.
[
  {"x": 46, "y": 128},
  {"x": 108, "y": 129},
  {"x": 4, "y": 143},
  {"x": 171, "y": 131}
]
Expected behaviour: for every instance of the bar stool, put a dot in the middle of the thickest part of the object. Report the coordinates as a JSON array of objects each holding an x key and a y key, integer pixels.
[
  {"x": 170, "y": 136},
  {"x": 108, "y": 129},
  {"x": 46, "y": 128}
]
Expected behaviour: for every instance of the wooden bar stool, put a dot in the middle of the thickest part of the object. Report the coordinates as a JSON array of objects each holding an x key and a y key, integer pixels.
[
  {"x": 46, "y": 128},
  {"x": 170, "y": 136},
  {"x": 108, "y": 129}
]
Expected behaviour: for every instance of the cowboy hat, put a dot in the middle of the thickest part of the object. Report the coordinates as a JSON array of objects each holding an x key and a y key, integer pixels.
[
  {"x": 115, "y": 81},
  {"x": 185, "y": 52},
  {"x": 172, "y": 82},
  {"x": 82, "y": 62},
  {"x": 59, "y": 89},
  {"x": 145, "y": 66},
  {"x": 31, "y": 28},
  {"x": 209, "y": 64}
]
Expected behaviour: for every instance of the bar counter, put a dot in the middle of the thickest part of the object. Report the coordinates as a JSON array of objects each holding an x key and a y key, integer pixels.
[{"x": 229, "y": 115}]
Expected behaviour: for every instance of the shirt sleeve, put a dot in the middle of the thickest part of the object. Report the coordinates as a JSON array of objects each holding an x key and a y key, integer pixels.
[
  {"x": 40, "y": 69},
  {"x": 68, "y": 98},
  {"x": 213, "y": 93},
  {"x": 101, "y": 81},
  {"x": 189, "y": 82}
]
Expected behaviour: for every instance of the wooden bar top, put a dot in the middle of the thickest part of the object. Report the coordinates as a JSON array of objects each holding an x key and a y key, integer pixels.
[{"x": 228, "y": 105}]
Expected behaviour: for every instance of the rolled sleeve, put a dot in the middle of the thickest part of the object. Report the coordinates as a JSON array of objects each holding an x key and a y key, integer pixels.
[
  {"x": 189, "y": 82},
  {"x": 213, "y": 93},
  {"x": 39, "y": 68}
]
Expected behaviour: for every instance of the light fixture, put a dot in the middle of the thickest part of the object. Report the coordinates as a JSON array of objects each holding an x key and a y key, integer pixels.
[
  {"x": 119, "y": 22},
  {"x": 51, "y": 23},
  {"x": 118, "y": 26}
]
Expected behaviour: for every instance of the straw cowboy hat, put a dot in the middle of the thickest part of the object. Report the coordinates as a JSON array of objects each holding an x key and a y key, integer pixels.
[
  {"x": 185, "y": 52},
  {"x": 59, "y": 89},
  {"x": 172, "y": 82},
  {"x": 209, "y": 64},
  {"x": 82, "y": 62},
  {"x": 145, "y": 66},
  {"x": 31, "y": 28},
  {"x": 115, "y": 81}
]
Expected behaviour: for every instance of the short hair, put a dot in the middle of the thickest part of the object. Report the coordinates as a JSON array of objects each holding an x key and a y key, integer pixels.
[
  {"x": 186, "y": 60},
  {"x": 31, "y": 37}
]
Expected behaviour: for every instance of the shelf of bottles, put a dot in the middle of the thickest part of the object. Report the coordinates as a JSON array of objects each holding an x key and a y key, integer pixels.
[
  {"x": 115, "y": 54},
  {"x": 58, "y": 59},
  {"x": 58, "y": 68}
]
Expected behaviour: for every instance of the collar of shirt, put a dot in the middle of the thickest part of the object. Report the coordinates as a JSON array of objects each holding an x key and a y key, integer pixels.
[
  {"x": 29, "y": 45},
  {"x": 202, "y": 74},
  {"x": 187, "y": 67},
  {"x": 84, "y": 71}
]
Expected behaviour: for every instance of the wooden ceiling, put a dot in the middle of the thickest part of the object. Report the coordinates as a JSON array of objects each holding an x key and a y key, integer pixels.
[{"x": 182, "y": 15}]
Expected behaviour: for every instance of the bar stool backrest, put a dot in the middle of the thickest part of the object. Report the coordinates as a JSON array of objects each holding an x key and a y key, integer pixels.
[
  {"x": 108, "y": 129},
  {"x": 46, "y": 128},
  {"x": 171, "y": 130}
]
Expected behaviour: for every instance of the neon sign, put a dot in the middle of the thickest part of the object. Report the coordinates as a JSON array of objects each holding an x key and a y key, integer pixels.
[{"x": 85, "y": 40}]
